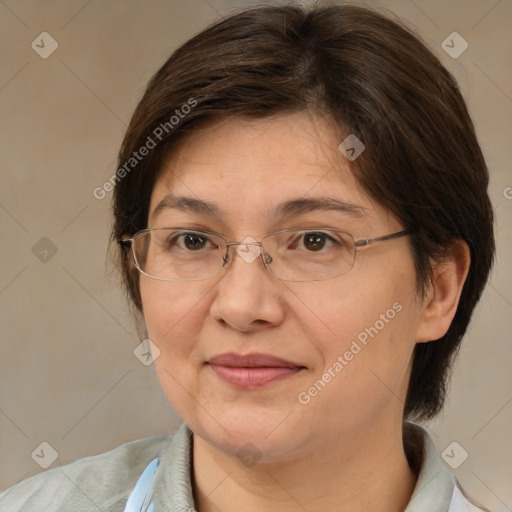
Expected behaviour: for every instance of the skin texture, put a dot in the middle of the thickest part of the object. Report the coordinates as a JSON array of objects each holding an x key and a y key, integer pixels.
[{"x": 342, "y": 450}]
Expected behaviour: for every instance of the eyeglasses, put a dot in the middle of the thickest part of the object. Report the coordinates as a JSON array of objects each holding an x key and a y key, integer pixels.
[{"x": 180, "y": 254}]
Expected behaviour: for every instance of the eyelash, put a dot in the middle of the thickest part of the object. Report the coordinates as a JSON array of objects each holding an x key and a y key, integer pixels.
[{"x": 294, "y": 238}]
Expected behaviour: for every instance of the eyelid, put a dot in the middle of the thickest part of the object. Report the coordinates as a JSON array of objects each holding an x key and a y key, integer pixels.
[
  {"x": 190, "y": 229},
  {"x": 330, "y": 224},
  {"x": 316, "y": 227},
  {"x": 305, "y": 228},
  {"x": 330, "y": 235}
]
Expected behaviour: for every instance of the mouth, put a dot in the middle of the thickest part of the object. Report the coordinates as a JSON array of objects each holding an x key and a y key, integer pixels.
[{"x": 252, "y": 371}]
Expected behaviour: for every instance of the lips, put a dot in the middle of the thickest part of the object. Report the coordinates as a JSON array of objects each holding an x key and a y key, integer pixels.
[
  {"x": 253, "y": 370},
  {"x": 251, "y": 361}
]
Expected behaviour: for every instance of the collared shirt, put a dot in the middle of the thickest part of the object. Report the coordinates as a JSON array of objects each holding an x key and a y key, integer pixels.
[{"x": 104, "y": 482}]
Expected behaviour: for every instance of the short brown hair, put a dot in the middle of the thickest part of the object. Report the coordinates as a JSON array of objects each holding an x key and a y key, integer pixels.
[{"x": 374, "y": 78}]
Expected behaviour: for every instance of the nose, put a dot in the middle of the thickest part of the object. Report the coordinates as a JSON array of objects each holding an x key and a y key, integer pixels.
[{"x": 247, "y": 297}]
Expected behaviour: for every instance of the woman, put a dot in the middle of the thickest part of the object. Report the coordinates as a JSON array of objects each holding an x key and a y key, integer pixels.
[{"x": 304, "y": 228}]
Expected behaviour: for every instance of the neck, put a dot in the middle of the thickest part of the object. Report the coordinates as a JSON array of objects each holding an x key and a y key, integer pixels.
[{"x": 363, "y": 471}]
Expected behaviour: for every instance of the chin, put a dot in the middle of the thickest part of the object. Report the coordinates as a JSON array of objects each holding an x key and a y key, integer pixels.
[{"x": 263, "y": 436}]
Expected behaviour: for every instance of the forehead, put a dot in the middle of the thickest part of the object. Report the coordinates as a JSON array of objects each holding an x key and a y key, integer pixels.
[{"x": 246, "y": 166}]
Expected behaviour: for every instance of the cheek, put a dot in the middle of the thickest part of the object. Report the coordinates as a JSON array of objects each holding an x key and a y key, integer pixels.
[
  {"x": 349, "y": 309},
  {"x": 173, "y": 313},
  {"x": 364, "y": 372},
  {"x": 165, "y": 303},
  {"x": 364, "y": 330}
]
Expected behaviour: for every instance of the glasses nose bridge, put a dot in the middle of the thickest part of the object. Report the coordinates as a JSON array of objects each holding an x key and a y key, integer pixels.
[
  {"x": 248, "y": 258},
  {"x": 251, "y": 242}
]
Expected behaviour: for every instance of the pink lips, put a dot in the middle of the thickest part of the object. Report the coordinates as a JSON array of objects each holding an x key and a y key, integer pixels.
[{"x": 253, "y": 370}]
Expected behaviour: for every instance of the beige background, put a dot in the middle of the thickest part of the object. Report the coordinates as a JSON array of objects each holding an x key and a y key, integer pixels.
[{"x": 68, "y": 373}]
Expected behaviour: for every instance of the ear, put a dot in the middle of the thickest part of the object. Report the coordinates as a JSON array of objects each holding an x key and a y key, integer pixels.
[{"x": 441, "y": 301}]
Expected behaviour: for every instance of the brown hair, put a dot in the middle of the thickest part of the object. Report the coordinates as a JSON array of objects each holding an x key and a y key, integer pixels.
[{"x": 375, "y": 79}]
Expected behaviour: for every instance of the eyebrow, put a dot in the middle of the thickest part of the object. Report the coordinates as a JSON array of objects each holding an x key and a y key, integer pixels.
[{"x": 285, "y": 209}]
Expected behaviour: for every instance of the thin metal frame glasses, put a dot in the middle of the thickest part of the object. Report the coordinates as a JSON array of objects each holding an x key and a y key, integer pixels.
[{"x": 183, "y": 254}]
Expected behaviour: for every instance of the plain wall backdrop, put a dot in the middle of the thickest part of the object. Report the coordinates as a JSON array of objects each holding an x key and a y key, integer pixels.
[{"x": 69, "y": 376}]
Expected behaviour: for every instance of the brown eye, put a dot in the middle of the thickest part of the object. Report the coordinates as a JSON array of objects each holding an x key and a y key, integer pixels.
[
  {"x": 194, "y": 241},
  {"x": 314, "y": 241}
]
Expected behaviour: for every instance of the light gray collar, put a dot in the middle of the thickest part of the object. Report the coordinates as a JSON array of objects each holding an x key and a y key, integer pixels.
[
  {"x": 173, "y": 485},
  {"x": 173, "y": 479}
]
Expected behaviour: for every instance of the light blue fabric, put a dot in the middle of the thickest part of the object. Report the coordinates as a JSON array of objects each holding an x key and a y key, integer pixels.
[
  {"x": 105, "y": 482},
  {"x": 138, "y": 497}
]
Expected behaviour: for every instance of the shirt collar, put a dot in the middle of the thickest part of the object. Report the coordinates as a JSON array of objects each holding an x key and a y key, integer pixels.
[
  {"x": 173, "y": 486},
  {"x": 434, "y": 487}
]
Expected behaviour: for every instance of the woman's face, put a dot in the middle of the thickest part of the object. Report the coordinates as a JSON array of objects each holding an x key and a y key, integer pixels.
[{"x": 348, "y": 340}]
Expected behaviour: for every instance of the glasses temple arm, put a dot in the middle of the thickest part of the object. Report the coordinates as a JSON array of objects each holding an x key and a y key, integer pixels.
[{"x": 369, "y": 241}]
